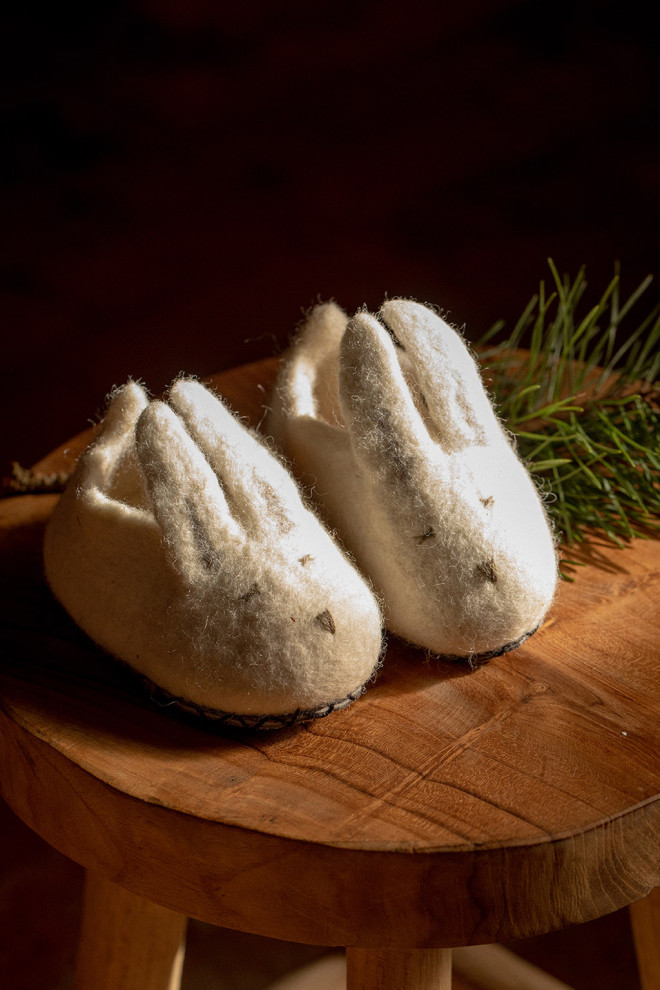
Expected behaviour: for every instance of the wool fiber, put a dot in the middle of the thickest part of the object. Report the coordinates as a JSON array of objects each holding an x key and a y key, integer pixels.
[
  {"x": 387, "y": 420},
  {"x": 182, "y": 546}
]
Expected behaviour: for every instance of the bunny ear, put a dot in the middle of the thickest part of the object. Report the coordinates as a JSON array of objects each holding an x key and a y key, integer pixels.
[
  {"x": 187, "y": 500},
  {"x": 262, "y": 493},
  {"x": 447, "y": 373},
  {"x": 387, "y": 431},
  {"x": 124, "y": 409},
  {"x": 108, "y": 464}
]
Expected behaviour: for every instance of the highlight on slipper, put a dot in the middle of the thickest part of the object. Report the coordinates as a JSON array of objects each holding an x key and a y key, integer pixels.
[
  {"x": 181, "y": 545},
  {"x": 386, "y": 418}
]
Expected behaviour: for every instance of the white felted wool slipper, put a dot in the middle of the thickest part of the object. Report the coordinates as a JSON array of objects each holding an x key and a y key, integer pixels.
[
  {"x": 410, "y": 464},
  {"x": 181, "y": 546}
]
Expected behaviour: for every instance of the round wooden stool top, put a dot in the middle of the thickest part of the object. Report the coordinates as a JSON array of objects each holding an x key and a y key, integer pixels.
[{"x": 445, "y": 807}]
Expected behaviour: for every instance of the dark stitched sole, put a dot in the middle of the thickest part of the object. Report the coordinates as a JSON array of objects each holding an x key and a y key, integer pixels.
[
  {"x": 477, "y": 659},
  {"x": 262, "y": 723}
]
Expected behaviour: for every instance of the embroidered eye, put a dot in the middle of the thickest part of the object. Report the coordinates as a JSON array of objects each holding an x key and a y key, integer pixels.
[
  {"x": 326, "y": 621},
  {"x": 487, "y": 571},
  {"x": 251, "y": 593}
]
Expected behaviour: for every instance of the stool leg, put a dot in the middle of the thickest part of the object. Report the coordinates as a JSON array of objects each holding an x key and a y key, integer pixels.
[
  {"x": 645, "y": 920},
  {"x": 398, "y": 969},
  {"x": 127, "y": 943}
]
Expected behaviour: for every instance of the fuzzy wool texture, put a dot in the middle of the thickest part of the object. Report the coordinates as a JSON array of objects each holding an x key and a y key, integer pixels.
[
  {"x": 182, "y": 546},
  {"x": 396, "y": 436}
]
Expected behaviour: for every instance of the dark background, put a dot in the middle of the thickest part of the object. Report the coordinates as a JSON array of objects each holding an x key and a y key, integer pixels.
[{"x": 180, "y": 178}]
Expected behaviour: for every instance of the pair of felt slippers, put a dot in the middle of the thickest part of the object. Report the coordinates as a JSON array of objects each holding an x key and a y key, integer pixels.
[{"x": 183, "y": 546}]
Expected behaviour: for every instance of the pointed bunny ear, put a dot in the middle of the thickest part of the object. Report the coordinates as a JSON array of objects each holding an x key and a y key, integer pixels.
[
  {"x": 124, "y": 409},
  {"x": 385, "y": 427},
  {"x": 324, "y": 327},
  {"x": 261, "y": 492},
  {"x": 108, "y": 464},
  {"x": 187, "y": 500},
  {"x": 447, "y": 373}
]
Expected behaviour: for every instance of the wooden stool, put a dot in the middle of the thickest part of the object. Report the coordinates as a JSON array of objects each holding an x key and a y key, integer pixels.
[{"x": 445, "y": 808}]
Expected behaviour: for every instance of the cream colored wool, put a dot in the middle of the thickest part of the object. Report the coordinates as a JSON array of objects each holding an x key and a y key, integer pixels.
[
  {"x": 181, "y": 545},
  {"x": 409, "y": 462}
]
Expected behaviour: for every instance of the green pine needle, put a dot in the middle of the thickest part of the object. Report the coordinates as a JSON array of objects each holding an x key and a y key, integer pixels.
[{"x": 583, "y": 404}]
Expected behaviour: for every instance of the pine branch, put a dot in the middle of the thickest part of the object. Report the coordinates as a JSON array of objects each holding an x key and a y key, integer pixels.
[{"x": 583, "y": 403}]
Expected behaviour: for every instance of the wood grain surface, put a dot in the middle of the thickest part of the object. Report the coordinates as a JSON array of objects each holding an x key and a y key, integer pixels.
[
  {"x": 384, "y": 969},
  {"x": 645, "y": 918},
  {"x": 127, "y": 942},
  {"x": 445, "y": 807}
]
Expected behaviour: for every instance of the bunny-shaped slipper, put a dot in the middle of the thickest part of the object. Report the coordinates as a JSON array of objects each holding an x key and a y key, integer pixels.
[
  {"x": 181, "y": 545},
  {"x": 409, "y": 462}
]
